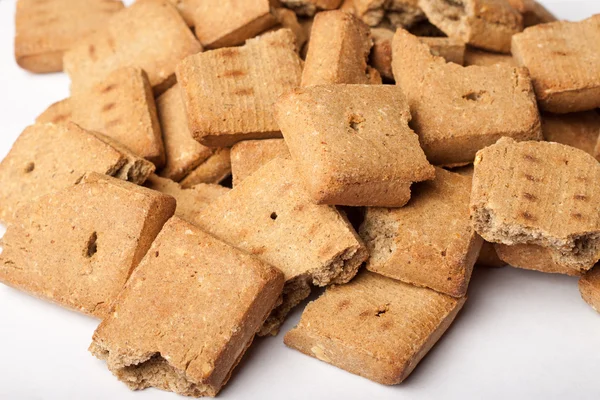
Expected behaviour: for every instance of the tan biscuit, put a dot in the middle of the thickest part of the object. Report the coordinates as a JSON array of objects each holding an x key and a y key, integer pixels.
[
  {"x": 580, "y": 130},
  {"x": 225, "y": 93},
  {"x": 564, "y": 63},
  {"x": 484, "y": 58},
  {"x": 338, "y": 51},
  {"x": 532, "y": 11},
  {"x": 182, "y": 153},
  {"x": 486, "y": 24},
  {"x": 358, "y": 150},
  {"x": 309, "y": 8},
  {"x": 45, "y": 30},
  {"x": 534, "y": 257},
  {"x": 398, "y": 13},
  {"x": 539, "y": 193},
  {"x": 248, "y": 156},
  {"x": 77, "y": 247},
  {"x": 270, "y": 216},
  {"x": 227, "y": 23},
  {"x": 190, "y": 202},
  {"x": 589, "y": 286},
  {"x": 131, "y": 39},
  {"x": 214, "y": 170},
  {"x": 56, "y": 113},
  {"x": 374, "y": 326},
  {"x": 122, "y": 107},
  {"x": 429, "y": 242},
  {"x": 187, "y": 315},
  {"x": 459, "y": 110}
]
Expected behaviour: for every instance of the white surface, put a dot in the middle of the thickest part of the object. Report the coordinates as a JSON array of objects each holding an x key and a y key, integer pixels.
[{"x": 521, "y": 335}]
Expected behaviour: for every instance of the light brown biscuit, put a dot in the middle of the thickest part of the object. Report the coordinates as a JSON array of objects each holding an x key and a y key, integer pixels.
[
  {"x": 580, "y": 130},
  {"x": 308, "y": 8},
  {"x": 539, "y": 193},
  {"x": 486, "y": 24},
  {"x": 56, "y": 113},
  {"x": 270, "y": 216},
  {"x": 187, "y": 315},
  {"x": 397, "y": 13},
  {"x": 182, "y": 153},
  {"x": 374, "y": 326},
  {"x": 190, "y": 202},
  {"x": 214, "y": 170},
  {"x": 77, "y": 247},
  {"x": 484, "y": 58},
  {"x": 122, "y": 107},
  {"x": 248, "y": 156},
  {"x": 429, "y": 242},
  {"x": 225, "y": 93},
  {"x": 358, "y": 150},
  {"x": 338, "y": 51},
  {"x": 459, "y": 110},
  {"x": 534, "y": 257},
  {"x": 533, "y": 12},
  {"x": 132, "y": 39},
  {"x": 45, "y": 30},
  {"x": 589, "y": 287},
  {"x": 227, "y": 23},
  {"x": 564, "y": 63}
]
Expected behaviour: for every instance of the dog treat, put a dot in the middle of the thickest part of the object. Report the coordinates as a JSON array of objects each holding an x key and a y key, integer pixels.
[
  {"x": 187, "y": 315},
  {"x": 225, "y": 93},
  {"x": 459, "y": 110},
  {"x": 189, "y": 201},
  {"x": 270, "y": 216},
  {"x": 360, "y": 150},
  {"x": 539, "y": 193},
  {"x": 580, "y": 130},
  {"x": 429, "y": 242},
  {"x": 248, "y": 156},
  {"x": 182, "y": 153},
  {"x": 484, "y": 58},
  {"x": 397, "y": 13},
  {"x": 309, "y": 8},
  {"x": 338, "y": 51},
  {"x": 45, "y": 30},
  {"x": 486, "y": 24},
  {"x": 122, "y": 107},
  {"x": 589, "y": 286},
  {"x": 56, "y": 113},
  {"x": 564, "y": 63},
  {"x": 150, "y": 35},
  {"x": 227, "y": 23},
  {"x": 214, "y": 170},
  {"x": 77, "y": 247},
  {"x": 533, "y": 257},
  {"x": 374, "y": 326},
  {"x": 533, "y": 12}
]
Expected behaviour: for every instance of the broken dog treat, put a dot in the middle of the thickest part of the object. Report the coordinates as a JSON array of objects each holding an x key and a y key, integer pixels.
[
  {"x": 338, "y": 51},
  {"x": 227, "y": 23},
  {"x": 248, "y": 156},
  {"x": 150, "y": 35},
  {"x": 56, "y": 113},
  {"x": 45, "y": 30},
  {"x": 122, "y": 107},
  {"x": 532, "y": 11},
  {"x": 533, "y": 257},
  {"x": 398, "y": 13},
  {"x": 182, "y": 153},
  {"x": 270, "y": 216},
  {"x": 231, "y": 82},
  {"x": 78, "y": 246},
  {"x": 484, "y": 58},
  {"x": 589, "y": 286},
  {"x": 448, "y": 102},
  {"x": 409, "y": 245},
  {"x": 374, "y": 326},
  {"x": 309, "y": 8},
  {"x": 486, "y": 24},
  {"x": 539, "y": 193},
  {"x": 214, "y": 170},
  {"x": 579, "y": 130},
  {"x": 190, "y": 202},
  {"x": 553, "y": 52},
  {"x": 187, "y": 315},
  {"x": 360, "y": 150}
]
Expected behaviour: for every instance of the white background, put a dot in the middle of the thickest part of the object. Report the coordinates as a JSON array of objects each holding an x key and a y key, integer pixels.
[{"x": 521, "y": 335}]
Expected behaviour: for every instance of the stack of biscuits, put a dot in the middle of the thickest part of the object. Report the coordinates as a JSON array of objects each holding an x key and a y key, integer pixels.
[{"x": 218, "y": 160}]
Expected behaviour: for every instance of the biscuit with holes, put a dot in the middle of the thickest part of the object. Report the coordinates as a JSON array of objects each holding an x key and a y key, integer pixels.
[
  {"x": 214, "y": 170},
  {"x": 248, "y": 156},
  {"x": 589, "y": 287},
  {"x": 535, "y": 258},
  {"x": 78, "y": 246},
  {"x": 57, "y": 113},
  {"x": 579, "y": 130}
]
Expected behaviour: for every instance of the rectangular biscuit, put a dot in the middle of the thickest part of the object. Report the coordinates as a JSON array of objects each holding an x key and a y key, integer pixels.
[
  {"x": 579, "y": 130},
  {"x": 589, "y": 287},
  {"x": 56, "y": 113},
  {"x": 122, "y": 107},
  {"x": 187, "y": 315},
  {"x": 131, "y": 39},
  {"x": 78, "y": 246},
  {"x": 215, "y": 169},
  {"x": 535, "y": 258},
  {"x": 248, "y": 156},
  {"x": 45, "y": 30},
  {"x": 374, "y": 326},
  {"x": 229, "y": 93}
]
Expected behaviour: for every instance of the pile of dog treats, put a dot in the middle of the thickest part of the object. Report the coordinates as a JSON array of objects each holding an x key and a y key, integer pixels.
[{"x": 377, "y": 148}]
